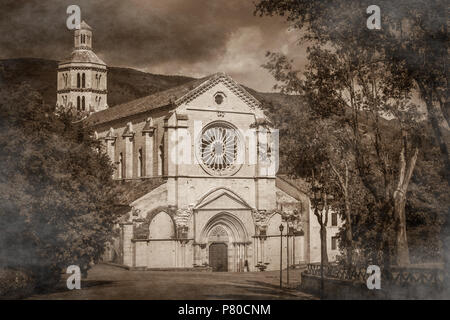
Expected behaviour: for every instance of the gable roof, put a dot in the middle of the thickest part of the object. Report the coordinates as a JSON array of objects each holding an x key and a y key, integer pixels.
[
  {"x": 217, "y": 193},
  {"x": 131, "y": 190},
  {"x": 171, "y": 97},
  {"x": 292, "y": 187},
  {"x": 147, "y": 103},
  {"x": 237, "y": 89}
]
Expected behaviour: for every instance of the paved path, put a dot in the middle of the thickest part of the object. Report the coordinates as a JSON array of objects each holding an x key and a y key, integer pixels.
[{"x": 109, "y": 282}]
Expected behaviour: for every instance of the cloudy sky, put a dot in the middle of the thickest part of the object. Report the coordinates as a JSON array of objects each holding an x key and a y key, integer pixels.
[{"x": 186, "y": 37}]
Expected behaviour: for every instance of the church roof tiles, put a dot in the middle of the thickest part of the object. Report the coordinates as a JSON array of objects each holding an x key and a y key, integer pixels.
[
  {"x": 141, "y": 105},
  {"x": 83, "y": 56},
  {"x": 171, "y": 97}
]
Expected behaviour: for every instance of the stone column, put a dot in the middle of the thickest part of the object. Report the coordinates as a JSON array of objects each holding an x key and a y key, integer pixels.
[
  {"x": 183, "y": 144},
  {"x": 262, "y": 251},
  {"x": 110, "y": 141},
  {"x": 255, "y": 250},
  {"x": 128, "y": 136},
  {"x": 175, "y": 135},
  {"x": 149, "y": 142},
  {"x": 248, "y": 256},
  {"x": 127, "y": 244}
]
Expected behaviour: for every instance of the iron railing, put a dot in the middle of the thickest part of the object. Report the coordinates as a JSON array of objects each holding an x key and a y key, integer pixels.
[{"x": 397, "y": 276}]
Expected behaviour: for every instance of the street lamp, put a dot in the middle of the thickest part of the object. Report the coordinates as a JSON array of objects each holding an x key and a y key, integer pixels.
[
  {"x": 320, "y": 206},
  {"x": 281, "y": 255},
  {"x": 287, "y": 250}
]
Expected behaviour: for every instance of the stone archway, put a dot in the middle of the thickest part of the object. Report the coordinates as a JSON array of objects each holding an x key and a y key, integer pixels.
[{"x": 225, "y": 241}]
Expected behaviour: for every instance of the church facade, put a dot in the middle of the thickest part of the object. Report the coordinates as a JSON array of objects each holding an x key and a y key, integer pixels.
[{"x": 204, "y": 158}]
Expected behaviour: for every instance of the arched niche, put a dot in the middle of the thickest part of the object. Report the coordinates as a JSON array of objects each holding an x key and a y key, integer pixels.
[
  {"x": 274, "y": 224},
  {"x": 161, "y": 226},
  {"x": 218, "y": 234},
  {"x": 233, "y": 226}
]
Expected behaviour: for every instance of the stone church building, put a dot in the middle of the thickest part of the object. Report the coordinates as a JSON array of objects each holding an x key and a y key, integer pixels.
[{"x": 202, "y": 159}]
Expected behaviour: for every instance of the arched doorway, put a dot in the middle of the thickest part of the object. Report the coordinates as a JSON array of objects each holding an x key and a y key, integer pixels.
[
  {"x": 225, "y": 240},
  {"x": 218, "y": 256}
]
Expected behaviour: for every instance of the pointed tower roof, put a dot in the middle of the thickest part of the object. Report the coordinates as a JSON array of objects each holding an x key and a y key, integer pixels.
[
  {"x": 83, "y": 52},
  {"x": 85, "y": 26}
]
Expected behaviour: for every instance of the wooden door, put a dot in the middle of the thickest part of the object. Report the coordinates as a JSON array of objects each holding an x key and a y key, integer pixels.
[{"x": 218, "y": 256}]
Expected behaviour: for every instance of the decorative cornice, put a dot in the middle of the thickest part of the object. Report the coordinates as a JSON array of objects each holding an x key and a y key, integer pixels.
[
  {"x": 63, "y": 69},
  {"x": 83, "y": 48},
  {"x": 69, "y": 90},
  {"x": 148, "y": 128},
  {"x": 111, "y": 135},
  {"x": 229, "y": 83},
  {"x": 128, "y": 132},
  {"x": 182, "y": 116}
]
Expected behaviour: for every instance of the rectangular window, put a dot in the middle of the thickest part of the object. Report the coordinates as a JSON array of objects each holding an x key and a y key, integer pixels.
[
  {"x": 140, "y": 163},
  {"x": 121, "y": 166},
  {"x": 334, "y": 220},
  {"x": 334, "y": 243}
]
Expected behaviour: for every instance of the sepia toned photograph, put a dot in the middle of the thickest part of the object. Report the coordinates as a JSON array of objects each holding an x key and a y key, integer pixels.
[{"x": 241, "y": 152}]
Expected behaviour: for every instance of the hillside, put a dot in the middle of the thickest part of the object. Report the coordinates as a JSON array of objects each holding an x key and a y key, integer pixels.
[
  {"x": 123, "y": 84},
  {"x": 425, "y": 204},
  {"x": 126, "y": 84}
]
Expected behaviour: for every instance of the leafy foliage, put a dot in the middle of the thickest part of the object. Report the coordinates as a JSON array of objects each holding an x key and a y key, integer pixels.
[
  {"x": 56, "y": 189},
  {"x": 357, "y": 77}
]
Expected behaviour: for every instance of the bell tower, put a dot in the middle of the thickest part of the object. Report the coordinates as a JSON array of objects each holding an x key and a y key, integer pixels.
[
  {"x": 82, "y": 77},
  {"x": 83, "y": 37}
]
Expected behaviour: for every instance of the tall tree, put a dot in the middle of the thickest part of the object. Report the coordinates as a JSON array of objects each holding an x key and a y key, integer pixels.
[
  {"x": 56, "y": 190},
  {"x": 413, "y": 40},
  {"x": 358, "y": 87}
]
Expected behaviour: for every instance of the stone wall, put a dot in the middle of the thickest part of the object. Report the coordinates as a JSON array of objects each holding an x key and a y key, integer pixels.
[{"x": 336, "y": 289}]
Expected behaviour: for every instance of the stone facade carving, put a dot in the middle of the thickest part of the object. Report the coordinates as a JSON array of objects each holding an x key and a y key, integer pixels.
[
  {"x": 260, "y": 217},
  {"x": 182, "y": 216},
  {"x": 293, "y": 218},
  {"x": 135, "y": 212}
]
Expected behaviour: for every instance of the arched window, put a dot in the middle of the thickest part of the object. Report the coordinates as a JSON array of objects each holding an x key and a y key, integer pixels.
[
  {"x": 78, "y": 80},
  {"x": 161, "y": 227},
  {"x": 78, "y": 103},
  {"x": 120, "y": 168},
  {"x": 140, "y": 163},
  {"x": 83, "y": 81},
  {"x": 83, "y": 103},
  {"x": 161, "y": 160}
]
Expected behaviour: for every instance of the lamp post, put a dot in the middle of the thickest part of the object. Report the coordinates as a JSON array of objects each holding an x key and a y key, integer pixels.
[
  {"x": 320, "y": 206},
  {"x": 281, "y": 255},
  {"x": 287, "y": 252}
]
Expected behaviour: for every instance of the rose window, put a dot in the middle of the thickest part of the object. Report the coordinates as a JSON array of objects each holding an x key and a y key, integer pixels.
[{"x": 219, "y": 149}]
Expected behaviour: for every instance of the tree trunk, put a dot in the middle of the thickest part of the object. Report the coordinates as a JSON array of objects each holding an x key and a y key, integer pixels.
[
  {"x": 343, "y": 184},
  {"x": 348, "y": 231},
  {"x": 401, "y": 242},
  {"x": 323, "y": 244}
]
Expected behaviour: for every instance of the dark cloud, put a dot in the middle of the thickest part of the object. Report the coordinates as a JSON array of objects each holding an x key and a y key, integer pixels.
[{"x": 191, "y": 37}]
